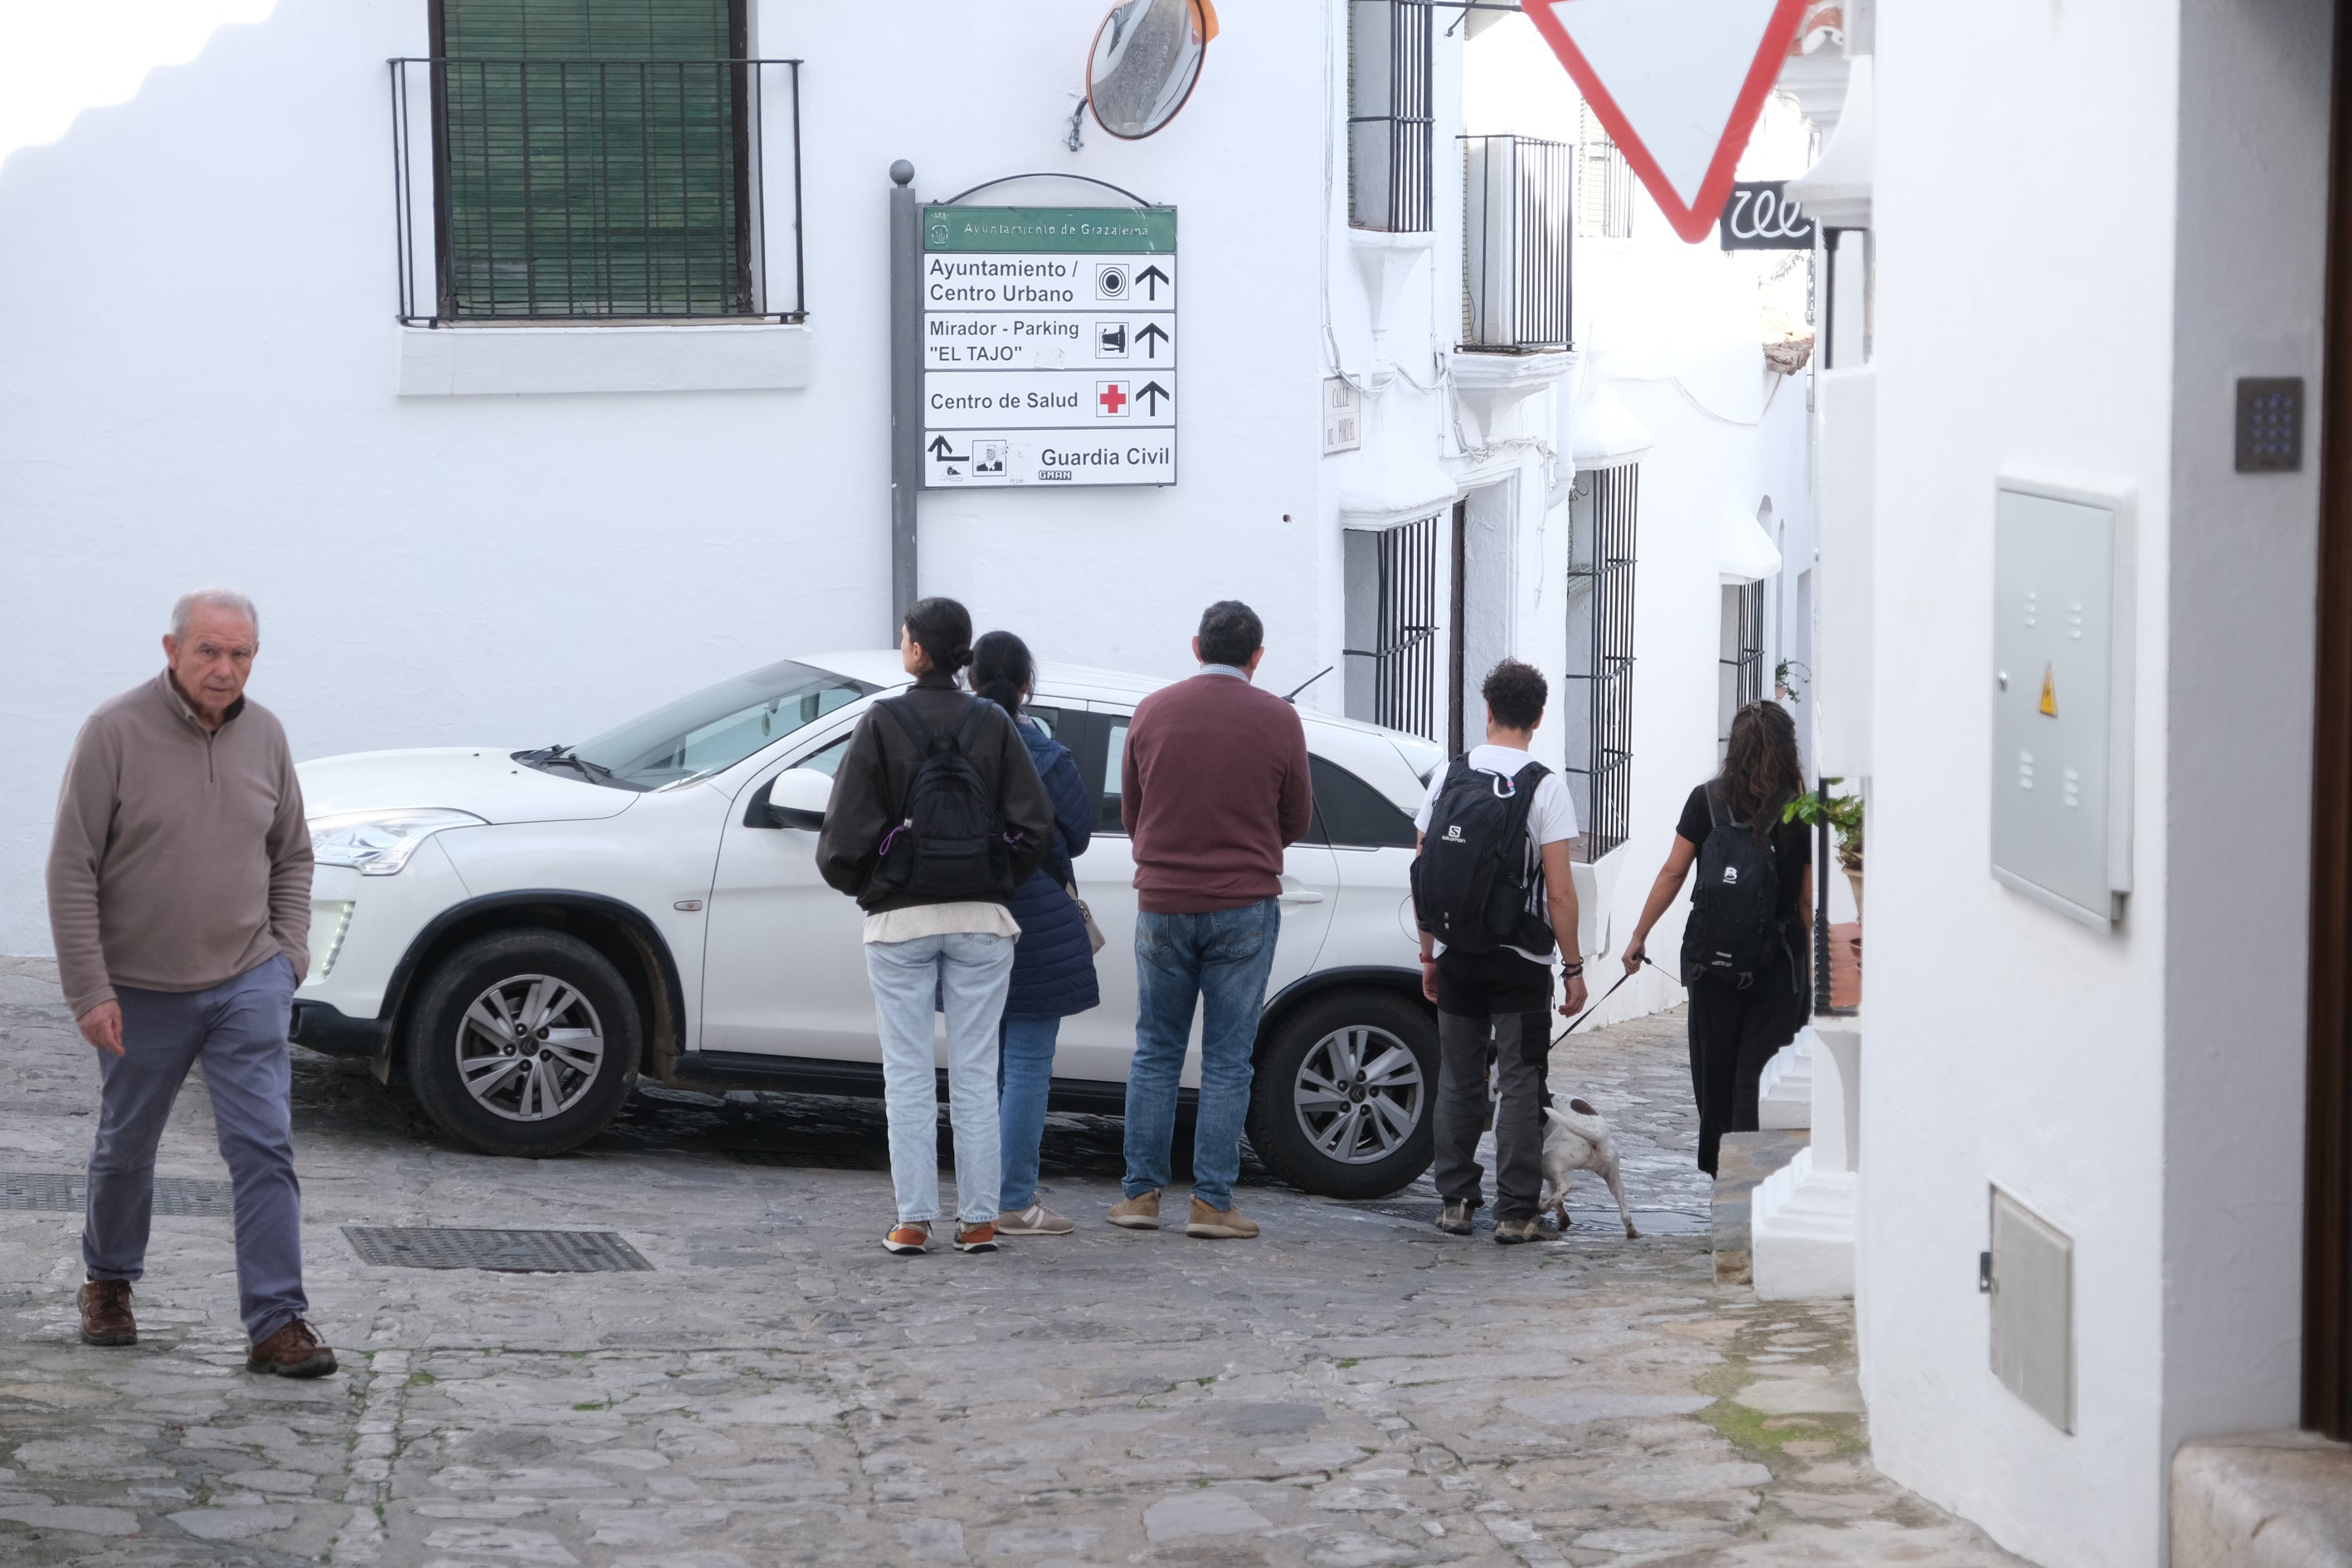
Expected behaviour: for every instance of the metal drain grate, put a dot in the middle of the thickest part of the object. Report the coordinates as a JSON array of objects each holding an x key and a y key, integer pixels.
[
  {"x": 69, "y": 1192},
  {"x": 505, "y": 1251}
]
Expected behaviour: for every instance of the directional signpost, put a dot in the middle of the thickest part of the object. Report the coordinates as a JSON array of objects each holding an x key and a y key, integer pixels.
[{"x": 1048, "y": 346}]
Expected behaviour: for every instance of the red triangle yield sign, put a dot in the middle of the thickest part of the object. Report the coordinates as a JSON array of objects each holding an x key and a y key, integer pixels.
[{"x": 1678, "y": 84}]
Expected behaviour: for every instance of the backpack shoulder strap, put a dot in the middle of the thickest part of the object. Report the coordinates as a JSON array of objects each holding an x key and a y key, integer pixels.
[
  {"x": 974, "y": 718},
  {"x": 1718, "y": 810},
  {"x": 898, "y": 707}
]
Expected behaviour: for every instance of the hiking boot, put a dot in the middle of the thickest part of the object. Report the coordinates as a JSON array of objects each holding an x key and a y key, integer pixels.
[
  {"x": 292, "y": 1352},
  {"x": 1138, "y": 1213},
  {"x": 1034, "y": 1220},
  {"x": 1512, "y": 1231},
  {"x": 909, "y": 1237},
  {"x": 106, "y": 1313},
  {"x": 1454, "y": 1219},
  {"x": 981, "y": 1237},
  {"x": 1220, "y": 1225}
]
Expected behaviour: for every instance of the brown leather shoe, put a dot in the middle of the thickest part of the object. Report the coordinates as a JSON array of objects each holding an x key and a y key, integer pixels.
[
  {"x": 292, "y": 1352},
  {"x": 106, "y": 1317}
]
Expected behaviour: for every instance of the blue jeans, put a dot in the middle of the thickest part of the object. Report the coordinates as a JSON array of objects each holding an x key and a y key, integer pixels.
[
  {"x": 1222, "y": 958},
  {"x": 1024, "y": 1072},
  {"x": 965, "y": 974},
  {"x": 237, "y": 1029}
]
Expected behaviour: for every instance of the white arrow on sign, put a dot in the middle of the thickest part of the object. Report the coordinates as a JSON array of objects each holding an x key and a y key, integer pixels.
[{"x": 1678, "y": 84}]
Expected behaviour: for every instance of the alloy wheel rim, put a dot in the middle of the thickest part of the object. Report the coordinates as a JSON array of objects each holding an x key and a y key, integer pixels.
[
  {"x": 1359, "y": 1095},
  {"x": 529, "y": 1048}
]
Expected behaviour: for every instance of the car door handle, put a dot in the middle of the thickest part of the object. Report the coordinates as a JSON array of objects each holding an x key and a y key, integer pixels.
[{"x": 1301, "y": 896}]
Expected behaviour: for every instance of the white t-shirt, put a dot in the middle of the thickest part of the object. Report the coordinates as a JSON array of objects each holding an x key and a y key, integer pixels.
[{"x": 1550, "y": 819}]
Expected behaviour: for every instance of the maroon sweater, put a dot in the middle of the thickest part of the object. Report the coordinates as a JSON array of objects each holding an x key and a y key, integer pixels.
[{"x": 1212, "y": 784}]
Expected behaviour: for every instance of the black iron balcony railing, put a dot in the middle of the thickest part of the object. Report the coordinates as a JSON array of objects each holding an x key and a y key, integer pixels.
[
  {"x": 1390, "y": 118},
  {"x": 1518, "y": 219},
  {"x": 577, "y": 189}
]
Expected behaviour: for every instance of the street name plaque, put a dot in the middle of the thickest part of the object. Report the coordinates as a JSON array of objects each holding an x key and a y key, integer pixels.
[{"x": 1049, "y": 346}]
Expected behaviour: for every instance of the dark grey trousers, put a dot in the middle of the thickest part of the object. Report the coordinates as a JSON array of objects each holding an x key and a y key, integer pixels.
[
  {"x": 1504, "y": 1000},
  {"x": 237, "y": 1029}
]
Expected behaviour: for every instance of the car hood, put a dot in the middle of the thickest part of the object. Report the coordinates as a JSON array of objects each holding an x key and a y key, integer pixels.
[{"x": 484, "y": 780}]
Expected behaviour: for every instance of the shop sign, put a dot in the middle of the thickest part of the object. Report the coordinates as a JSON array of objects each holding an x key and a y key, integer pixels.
[
  {"x": 1761, "y": 217},
  {"x": 1049, "y": 346}
]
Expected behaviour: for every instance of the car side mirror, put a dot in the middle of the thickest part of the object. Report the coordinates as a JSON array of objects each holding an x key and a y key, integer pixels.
[{"x": 796, "y": 798}]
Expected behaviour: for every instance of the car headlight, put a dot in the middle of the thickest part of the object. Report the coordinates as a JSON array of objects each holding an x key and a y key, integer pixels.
[{"x": 379, "y": 843}]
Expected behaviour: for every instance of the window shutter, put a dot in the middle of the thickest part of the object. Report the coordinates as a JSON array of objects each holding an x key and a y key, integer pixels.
[{"x": 592, "y": 158}]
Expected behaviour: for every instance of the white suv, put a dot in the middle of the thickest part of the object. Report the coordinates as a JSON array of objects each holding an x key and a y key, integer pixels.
[{"x": 524, "y": 932}]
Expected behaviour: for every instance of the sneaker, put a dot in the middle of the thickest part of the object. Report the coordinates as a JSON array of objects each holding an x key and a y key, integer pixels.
[
  {"x": 292, "y": 1352},
  {"x": 1220, "y": 1225},
  {"x": 106, "y": 1317},
  {"x": 1454, "y": 1220},
  {"x": 1138, "y": 1212},
  {"x": 1034, "y": 1220},
  {"x": 981, "y": 1237},
  {"x": 1512, "y": 1231},
  {"x": 909, "y": 1237}
]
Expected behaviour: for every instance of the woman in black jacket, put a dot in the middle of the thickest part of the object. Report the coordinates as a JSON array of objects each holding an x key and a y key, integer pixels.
[
  {"x": 934, "y": 884},
  {"x": 1736, "y": 1024},
  {"x": 1054, "y": 967}
]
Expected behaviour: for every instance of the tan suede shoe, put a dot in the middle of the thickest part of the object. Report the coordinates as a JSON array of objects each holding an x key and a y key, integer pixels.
[
  {"x": 106, "y": 1317},
  {"x": 1220, "y": 1225},
  {"x": 1138, "y": 1212}
]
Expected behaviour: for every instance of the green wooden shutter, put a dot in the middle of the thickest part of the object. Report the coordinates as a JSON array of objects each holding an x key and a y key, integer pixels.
[{"x": 592, "y": 158}]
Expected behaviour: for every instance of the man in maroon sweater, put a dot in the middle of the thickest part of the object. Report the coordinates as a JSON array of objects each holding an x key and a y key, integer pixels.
[{"x": 1213, "y": 784}]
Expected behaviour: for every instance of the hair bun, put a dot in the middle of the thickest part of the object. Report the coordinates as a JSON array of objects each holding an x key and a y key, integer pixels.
[{"x": 960, "y": 658}]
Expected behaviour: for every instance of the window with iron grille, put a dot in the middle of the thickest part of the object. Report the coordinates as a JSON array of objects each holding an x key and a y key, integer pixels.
[
  {"x": 1392, "y": 582},
  {"x": 1516, "y": 215},
  {"x": 1597, "y": 698},
  {"x": 1604, "y": 194},
  {"x": 1741, "y": 664},
  {"x": 1389, "y": 122},
  {"x": 592, "y": 159}
]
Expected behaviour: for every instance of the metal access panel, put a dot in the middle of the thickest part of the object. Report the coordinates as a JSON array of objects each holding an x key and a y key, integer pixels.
[
  {"x": 2062, "y": 698},
  {"x": 2033, "y": 1310}
]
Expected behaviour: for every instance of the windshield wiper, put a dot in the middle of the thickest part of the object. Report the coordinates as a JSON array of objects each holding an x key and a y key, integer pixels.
[{"x": 595, "y": 772}]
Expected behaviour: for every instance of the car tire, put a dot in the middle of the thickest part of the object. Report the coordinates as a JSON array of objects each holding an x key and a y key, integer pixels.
[
  {"x": 570, "y": 1067},
  {"x": 1304, "y": 1136}
]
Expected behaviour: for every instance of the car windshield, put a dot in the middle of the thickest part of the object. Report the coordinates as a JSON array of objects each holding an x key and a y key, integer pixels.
[{"x": 712, "y": 730}]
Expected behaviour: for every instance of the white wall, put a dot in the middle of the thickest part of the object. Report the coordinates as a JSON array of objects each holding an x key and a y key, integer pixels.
[
  {"x": 2139, "y": 1088},
  {"x": 198, "y": 385}
]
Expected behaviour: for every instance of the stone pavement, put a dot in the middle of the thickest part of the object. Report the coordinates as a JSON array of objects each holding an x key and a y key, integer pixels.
[{"x": 1355, "y": 1389}]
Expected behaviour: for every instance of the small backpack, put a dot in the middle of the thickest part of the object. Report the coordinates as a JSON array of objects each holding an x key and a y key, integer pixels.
[
  {"x": 950, "y": 841},
  {"x": 1734, "y": 926},
  {"x": 1471, "y": 881}
]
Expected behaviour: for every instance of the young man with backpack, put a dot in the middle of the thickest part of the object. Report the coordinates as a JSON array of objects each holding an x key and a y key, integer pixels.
[
  {"x": 937, "y": 816},
  {"x": 1744, "y": 944},
  {"x": 1496, "y": 901}
]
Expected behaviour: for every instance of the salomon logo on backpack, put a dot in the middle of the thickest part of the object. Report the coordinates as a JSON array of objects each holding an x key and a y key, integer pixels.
[
  {"x": 1474, "y": 881},
  {"x": 950, "y": 842},
  {"x": 1735, "y": 924}
]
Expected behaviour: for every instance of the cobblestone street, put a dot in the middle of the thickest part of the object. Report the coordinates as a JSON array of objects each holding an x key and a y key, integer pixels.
[{"x": 1354, "y": 1389}]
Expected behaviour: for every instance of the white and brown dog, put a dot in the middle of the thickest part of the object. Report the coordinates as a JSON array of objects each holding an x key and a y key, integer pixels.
[{"x": 1579, "y": 1141}]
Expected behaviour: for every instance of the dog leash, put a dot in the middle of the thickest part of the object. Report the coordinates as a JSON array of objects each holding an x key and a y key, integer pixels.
[{"x": 1629, "y": 974}]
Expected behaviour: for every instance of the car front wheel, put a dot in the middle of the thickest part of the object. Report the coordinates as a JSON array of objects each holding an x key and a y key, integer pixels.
[
  {"x": 1345, "y": 1094},
  {"x": 523, "y": 1043}
]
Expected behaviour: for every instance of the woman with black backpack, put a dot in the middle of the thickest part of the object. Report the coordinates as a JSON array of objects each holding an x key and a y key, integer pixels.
[
  {"x": 937, "y": 816},
  {"x": 1744, "y": 946}
]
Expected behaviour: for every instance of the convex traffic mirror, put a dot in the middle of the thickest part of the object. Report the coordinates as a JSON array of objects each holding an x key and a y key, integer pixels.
[{"x": 1146, "y": 61}]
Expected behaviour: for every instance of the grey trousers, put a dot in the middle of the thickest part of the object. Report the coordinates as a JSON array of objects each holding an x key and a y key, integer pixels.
[
  {"x": 238, "y": 1030},
  {"x": 1506, "y": 1000}
]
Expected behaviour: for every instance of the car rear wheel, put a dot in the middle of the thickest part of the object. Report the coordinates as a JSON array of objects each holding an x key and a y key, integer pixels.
[
  {"x": 523, "y": 1043},
  {"x": 1345, "y": 1094}
]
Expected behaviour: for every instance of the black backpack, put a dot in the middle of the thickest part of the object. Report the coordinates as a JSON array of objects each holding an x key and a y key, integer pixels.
[
  {"x": 1735, "y": 921},
  {"x": 950, "y": 841},
  {"x": 1472, "y": 880}
]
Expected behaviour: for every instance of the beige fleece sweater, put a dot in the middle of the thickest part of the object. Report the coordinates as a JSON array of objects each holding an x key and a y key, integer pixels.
[{"x": 180, "y": 857}]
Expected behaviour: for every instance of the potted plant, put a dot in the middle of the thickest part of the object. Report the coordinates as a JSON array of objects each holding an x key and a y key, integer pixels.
[{"x": 1844, "y": 814}]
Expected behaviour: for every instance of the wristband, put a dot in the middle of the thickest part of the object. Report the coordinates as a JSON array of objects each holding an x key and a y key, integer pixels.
[{"x": 1570, "y": 970}]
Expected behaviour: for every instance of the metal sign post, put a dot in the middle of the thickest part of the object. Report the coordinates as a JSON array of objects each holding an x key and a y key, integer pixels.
[{"x": 905, "y": 390}]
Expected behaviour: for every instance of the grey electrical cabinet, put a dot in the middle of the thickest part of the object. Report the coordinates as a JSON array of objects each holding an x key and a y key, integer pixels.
[{"x": 2061, "y": 697}]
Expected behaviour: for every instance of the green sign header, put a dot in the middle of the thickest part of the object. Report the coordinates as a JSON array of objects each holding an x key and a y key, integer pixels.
[{"x": 1114, "y": 231}]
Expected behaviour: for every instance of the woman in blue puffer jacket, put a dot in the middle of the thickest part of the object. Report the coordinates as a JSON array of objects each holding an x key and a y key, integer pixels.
[{"x": 1054, "y": 963}]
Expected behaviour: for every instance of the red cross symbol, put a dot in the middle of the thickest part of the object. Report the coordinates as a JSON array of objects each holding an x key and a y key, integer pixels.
[{"x": 1113, "y": 397}]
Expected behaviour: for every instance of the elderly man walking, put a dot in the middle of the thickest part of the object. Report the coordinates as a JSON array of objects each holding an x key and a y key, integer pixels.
[
  {"x": 180, "y": 900},
  {"x": 1214, "y": 785}
]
